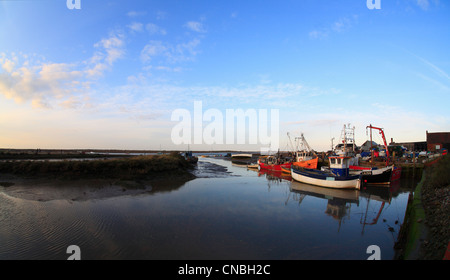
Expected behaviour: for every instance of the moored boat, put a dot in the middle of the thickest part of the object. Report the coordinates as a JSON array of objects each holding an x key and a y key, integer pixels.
[
  {"x": 252, "y": 166},
  {"x": 305, "y": 155},
  {"x": 396, "y": 173},
  {"x": 190, "y": 157},
  {"x": 325, "y": 179},
  {"x": 273, "y": 163},
  {"x": 241, "y": 156},
  {"x": 286, "y": 170},
  {"x": 376, "y": 175},
  {"x": 379, "y": 176},
  {"x": 338, "y": 175}
]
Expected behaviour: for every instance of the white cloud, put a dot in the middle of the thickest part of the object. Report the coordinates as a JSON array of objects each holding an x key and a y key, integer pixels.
[
  {"x": 169, "y": 53},
  {"x": 341, "y": 25},
  {"x": 8, "y": 65},
  {"x": 39, "y": 83},
  {"x": 153, "y": 49},
  {"x": 155, "y": 29},
  {"x": 43, "y": 83},
  {"x": 108, "y": 51},
  {"x": 136, "y": 27},
  {"x": 423, "y": 4},
  {"x": 136, "y": 13},
  {"x": 318, "y": 34},
  {"x": 113, "y": 46},
  {"x": 195, "y": 26}
]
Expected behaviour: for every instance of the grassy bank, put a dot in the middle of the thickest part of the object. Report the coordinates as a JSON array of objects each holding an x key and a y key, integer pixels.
[
  {"x": 25, "y": 156},
  {"x": 130, "y": 168},
  {"x": 427, "y": 219},
  {"x": 436, "y": 203}
]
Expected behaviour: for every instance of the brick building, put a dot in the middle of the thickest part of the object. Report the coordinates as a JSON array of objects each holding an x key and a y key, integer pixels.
[{"x": 437, "y": 141}]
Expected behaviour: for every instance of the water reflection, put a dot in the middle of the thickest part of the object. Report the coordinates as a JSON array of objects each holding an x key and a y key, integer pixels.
[
  {"x": 275, "y": 175},
  {"x": 376, "y": 206},
  {"x": 228, "y": 212},
  {"x": 338, "y": 200},
  {"x": 83, "y": 190}
]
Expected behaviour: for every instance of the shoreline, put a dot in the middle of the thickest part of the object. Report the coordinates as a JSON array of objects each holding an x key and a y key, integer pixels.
[
  {"x": 119, "y": 168},
  {"x": 425, "y": 231}
]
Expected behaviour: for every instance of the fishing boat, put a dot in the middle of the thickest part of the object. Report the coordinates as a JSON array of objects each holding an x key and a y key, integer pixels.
[
  {"x": 190, "y": 157},
  {"x": 396, "y": 173},
  {"x": 241, "y": 156},
  {"x": 304, "y": 156},
  {"x": 241, "y": 159},
  {"x": 311, "y": 164},
  {"x": 274, "y": 163},
  {"x": 379, "y": 176},
  {"x": 325, "y": 179},
  {"x": 376, "y": 175},
  {"x": 338, "y": 175},
  {"x": 286, "y": 170},
  {"x": 252, "y": 166}
]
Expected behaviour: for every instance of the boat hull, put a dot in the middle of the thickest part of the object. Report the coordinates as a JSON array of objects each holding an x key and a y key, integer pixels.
[
  {"x": 241, "y": 156},
  {"x": 274, "y": 167},
  {"x": 380, "y": 176},
  {"x": 311, "y": 164},
  {"x": 325, "y": 179},
  {"x": 396, "y": 173}
]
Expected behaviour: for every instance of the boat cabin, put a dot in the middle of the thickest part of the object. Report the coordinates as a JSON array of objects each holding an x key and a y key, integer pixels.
[
  {"x": 303, "y": 156},
  {"x": 340, "y": 165}
]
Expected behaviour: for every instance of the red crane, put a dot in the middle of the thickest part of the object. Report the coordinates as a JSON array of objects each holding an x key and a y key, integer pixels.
[{"x": 384, "y": 140}]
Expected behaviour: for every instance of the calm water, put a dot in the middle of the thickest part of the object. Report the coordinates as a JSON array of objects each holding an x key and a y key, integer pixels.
[{"x": 229, "y": 212}]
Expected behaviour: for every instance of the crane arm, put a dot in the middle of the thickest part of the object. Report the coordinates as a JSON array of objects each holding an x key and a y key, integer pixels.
[{"x": 384, "y": 140}]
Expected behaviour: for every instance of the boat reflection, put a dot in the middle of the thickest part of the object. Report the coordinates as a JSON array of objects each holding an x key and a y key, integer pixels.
[
  {"x": 380, "y": 194},
  {"x": 339, "y": 201},
  {"x": 275, "y": 175}
]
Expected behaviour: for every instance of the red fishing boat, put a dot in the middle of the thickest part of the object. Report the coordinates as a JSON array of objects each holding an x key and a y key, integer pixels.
[{"x": 274, "y": 163}]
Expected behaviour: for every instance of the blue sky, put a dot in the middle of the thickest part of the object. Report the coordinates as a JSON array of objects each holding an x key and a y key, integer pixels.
[{"x": 110, "y": 74}]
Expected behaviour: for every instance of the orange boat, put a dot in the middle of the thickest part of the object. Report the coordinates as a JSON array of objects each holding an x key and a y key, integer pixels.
[
  {"x": 311, "y": 164},
  {"x": 305, "y": 156}
]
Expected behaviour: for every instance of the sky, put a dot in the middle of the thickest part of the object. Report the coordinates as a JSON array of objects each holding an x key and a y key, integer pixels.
[{"x": 111, "y": 74}]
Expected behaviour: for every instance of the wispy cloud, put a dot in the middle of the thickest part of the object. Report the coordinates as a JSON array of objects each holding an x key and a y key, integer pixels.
[
  {"x": 155, "y": 29},
  {"x": 440, "y": 78},
  {"x": 318, "y": 34},
  {"x": 133, "y": 14},
  {"x": 136, "y": 27},
  {"x": 195, "y": 26},
  {"x": 108, "y": 51},
  {"x": 170, "y": 53},
  {"x": 25, "y": 78},
  {"x": 436, "y": 69},
  {"x": 423, "y": 4},
  {"x": 341, "y": 25}
]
